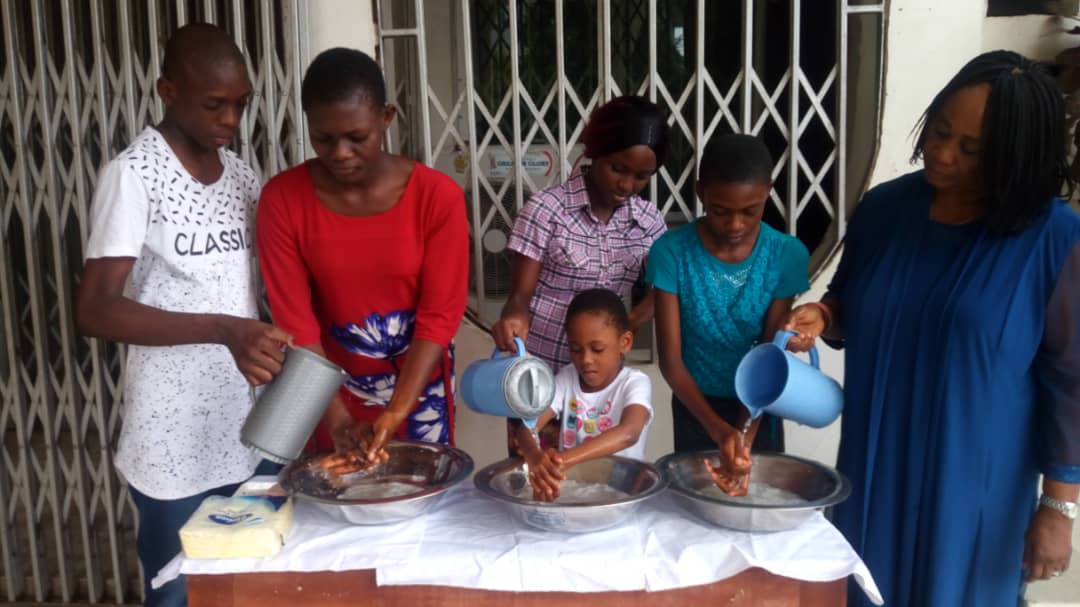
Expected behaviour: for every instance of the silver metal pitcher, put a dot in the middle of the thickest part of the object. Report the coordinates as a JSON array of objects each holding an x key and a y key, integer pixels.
[{"x": 286, "y": 413}]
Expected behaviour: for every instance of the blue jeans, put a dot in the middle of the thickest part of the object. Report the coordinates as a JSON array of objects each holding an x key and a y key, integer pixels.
[{"x": 159, "y": 536}]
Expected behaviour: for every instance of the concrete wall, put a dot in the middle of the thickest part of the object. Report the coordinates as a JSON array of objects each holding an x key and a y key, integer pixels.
[
  {"x": 926, "y": 42},
  {"x": 332, "y": 23},
  {"x": 1035, "y": 36}
]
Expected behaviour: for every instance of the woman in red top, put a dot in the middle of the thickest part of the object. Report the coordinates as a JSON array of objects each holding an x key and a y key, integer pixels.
[{"x": 365, "y": 259}]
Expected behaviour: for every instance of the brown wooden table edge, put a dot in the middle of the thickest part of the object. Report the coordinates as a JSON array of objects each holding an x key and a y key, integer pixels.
[{"x": 751, "y": 587}]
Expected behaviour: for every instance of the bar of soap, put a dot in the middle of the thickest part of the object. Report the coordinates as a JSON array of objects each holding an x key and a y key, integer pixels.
[{"x": 237, "y": 527}]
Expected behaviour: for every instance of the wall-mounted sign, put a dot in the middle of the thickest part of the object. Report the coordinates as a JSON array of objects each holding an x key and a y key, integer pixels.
[{"x": 501, "y": 163}]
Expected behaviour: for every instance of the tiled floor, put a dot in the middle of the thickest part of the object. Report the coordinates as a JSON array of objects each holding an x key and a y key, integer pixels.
[{"x": 484, "y": 438}]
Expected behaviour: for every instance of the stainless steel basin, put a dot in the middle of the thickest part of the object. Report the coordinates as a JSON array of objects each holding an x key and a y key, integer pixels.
[
  {"x": 819, "y": 487},
  {"x": 410, "y": 483},
  {"x": 506, "y": 481}
]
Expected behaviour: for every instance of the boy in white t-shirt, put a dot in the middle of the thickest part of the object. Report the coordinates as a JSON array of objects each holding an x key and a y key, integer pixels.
[
  {"x": 605, "y": 407},
  {"x": 170, "y": 271}
]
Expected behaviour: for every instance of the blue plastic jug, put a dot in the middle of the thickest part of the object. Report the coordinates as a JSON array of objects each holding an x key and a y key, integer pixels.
[
  {"x": 518, "y": 385},
  {"x": 772, "y": 380}
]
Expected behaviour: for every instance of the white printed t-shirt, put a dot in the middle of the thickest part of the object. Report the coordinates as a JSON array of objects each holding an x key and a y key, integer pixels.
[
  {"x": 193, "y": 244},
  {"x": 585, "y": 415}
]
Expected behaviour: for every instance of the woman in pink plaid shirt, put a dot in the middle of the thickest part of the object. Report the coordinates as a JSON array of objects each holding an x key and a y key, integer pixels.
[{"x": 591, "y": 231}]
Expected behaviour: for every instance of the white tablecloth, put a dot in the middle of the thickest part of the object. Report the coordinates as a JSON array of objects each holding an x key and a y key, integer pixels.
[{"x": 470, "y": 541}]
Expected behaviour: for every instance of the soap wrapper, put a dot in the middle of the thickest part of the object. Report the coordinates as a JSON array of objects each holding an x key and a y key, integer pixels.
[{"x": 237, "y": 527}]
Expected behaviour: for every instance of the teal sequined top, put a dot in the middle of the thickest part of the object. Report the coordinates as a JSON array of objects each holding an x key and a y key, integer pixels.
[{"x": 722, "y": 305}]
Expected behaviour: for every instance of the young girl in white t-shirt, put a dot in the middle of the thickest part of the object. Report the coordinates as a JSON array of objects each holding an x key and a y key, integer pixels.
[{"x": 604, "y": 407}]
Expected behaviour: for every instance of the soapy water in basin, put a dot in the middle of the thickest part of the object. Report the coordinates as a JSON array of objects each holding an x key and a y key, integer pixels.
[
  {"x": 374, "y": 491},
  {"x": 757, "y": 494},
  {"x": 577, "y": 492}
]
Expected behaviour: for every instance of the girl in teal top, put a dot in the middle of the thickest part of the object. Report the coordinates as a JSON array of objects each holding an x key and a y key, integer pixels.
[{"x": 723, "y": 283}]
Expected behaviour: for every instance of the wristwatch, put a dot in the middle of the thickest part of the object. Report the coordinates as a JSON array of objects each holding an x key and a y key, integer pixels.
[{"x": 1068, "y": 509}]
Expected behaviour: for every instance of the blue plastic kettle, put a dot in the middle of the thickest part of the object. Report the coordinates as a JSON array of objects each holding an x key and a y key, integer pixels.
[
  {"x": 518, "y": 385},
  {"x": 772, "y": 380}
]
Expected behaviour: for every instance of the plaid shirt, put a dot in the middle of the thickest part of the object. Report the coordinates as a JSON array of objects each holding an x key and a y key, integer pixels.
[{"x": 577, "y": 251}]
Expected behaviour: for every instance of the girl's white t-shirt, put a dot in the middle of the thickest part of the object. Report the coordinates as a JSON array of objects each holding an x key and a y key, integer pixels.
[
  {"x": 193, "y": 245},
  {"x": 584, "y": 415}
]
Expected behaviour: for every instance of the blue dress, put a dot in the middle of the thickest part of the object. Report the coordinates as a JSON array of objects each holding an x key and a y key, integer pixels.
[{"x": 962, "y": 385}]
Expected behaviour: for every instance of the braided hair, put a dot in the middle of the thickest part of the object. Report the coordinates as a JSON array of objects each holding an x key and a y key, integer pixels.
[{"x": 1022, "y": 158}]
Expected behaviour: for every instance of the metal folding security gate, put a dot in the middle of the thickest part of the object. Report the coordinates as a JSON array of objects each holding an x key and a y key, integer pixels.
[
  {"x": 77, "y": 84},
  {"x": 496, "y": 93}
]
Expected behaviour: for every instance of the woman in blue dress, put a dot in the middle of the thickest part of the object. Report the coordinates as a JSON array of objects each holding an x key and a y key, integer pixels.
[{"x": 958, "y": 300}]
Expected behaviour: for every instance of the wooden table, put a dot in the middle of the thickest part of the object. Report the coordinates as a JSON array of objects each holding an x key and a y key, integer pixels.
[{"x": 753, "y": 587}]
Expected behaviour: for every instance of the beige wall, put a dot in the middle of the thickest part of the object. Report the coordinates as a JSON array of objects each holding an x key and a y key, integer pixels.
[
  {"x": 926, "y": 42},
  {"x": 330, "y": 23},
  {"x": 1038, "y": 37}
]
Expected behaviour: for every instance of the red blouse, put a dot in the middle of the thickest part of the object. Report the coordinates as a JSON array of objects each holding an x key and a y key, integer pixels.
[{"x": 365, "y": 287}]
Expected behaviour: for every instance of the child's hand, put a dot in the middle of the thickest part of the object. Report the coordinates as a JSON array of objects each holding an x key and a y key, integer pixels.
[
  {"x": 731, "y": 483},
  {"x": 732, "y": 474},
  {"x": 546, "y": 475}
]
